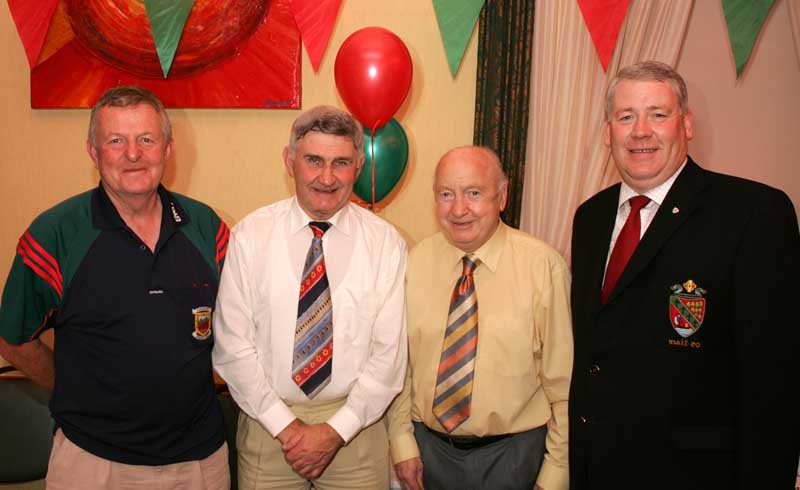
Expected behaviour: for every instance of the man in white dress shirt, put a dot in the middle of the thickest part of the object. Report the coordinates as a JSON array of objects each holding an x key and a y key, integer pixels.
[{"x": 319, "y": 426}]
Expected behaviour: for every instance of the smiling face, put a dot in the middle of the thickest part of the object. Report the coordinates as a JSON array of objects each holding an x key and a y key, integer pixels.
[
  {"x": 129, "y": 150},
  {"x": 324, "y": 167},
  {"x": 647, "y": 133},
  {"x": 470, "y": 194}
]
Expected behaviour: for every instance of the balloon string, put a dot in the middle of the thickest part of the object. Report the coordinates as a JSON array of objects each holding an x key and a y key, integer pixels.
[{"x": 372, "y": 152}]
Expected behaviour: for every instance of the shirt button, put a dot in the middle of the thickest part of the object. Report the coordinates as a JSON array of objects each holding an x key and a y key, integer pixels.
[
  {"x": 142, "y": 247},
  {"x": 594, "y": 370}
]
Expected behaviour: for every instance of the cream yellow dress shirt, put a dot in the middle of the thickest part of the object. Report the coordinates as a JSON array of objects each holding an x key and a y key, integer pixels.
[{"x": 524, "y": 357}]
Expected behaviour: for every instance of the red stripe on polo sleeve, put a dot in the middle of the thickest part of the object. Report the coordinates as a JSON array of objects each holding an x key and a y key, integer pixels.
[
  {"x": 222, "y": 242},
  {"x": 40, "y": 261}
]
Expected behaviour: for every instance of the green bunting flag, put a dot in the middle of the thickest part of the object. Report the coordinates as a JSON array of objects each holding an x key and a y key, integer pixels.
[
  {"x": 744, "y": 19},
  {"x": 456, "y": 21},
  {"x": 167, "y": 18}
]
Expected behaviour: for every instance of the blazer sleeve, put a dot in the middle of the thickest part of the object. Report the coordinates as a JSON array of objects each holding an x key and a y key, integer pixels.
[{"x": 767, "y": 342}]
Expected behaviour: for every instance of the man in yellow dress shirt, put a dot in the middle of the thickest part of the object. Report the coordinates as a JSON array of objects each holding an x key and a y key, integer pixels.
[{"x": 509, "y": 428}]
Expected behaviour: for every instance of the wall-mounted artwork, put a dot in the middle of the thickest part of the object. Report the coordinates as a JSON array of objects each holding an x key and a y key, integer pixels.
[{"x": 215, "y": 53}]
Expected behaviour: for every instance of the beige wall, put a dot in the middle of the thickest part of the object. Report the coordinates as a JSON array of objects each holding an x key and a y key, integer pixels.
[
  {"x": 231, "y": 158},
  {"x": 748, "y": 127}
]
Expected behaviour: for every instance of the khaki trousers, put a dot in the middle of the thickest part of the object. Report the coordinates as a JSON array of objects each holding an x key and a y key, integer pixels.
[
  {"x": 361, "y": 464},
  {"x": 72, "y": 468}
]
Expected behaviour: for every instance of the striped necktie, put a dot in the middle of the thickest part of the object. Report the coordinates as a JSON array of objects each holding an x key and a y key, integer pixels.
[
  {"x": 453, "y": 395},
  {"x": 313, "y": 334}
]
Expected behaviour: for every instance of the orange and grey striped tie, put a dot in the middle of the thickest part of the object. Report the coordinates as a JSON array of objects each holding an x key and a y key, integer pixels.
[{"x": 452, "y": 399}]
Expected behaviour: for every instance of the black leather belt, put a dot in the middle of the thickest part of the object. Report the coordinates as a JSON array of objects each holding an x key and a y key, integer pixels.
[{"x": 466, "y": 442}]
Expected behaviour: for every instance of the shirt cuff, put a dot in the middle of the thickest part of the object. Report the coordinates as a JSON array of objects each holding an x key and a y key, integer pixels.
[
  {"x": 552, "y": 477},
  {"x": 346, "y": 423},
  {"x": 404, "y": 447},
  {"x": 276, "y": 418}
]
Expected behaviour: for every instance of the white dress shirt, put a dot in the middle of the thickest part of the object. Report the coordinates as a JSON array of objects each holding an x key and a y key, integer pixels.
[
  {"x": 256, "y": 313},
  {"x": 647, "y": 213}
]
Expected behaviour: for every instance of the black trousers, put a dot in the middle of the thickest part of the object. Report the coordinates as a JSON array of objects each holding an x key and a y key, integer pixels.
[{"x": 511, "y": 463}]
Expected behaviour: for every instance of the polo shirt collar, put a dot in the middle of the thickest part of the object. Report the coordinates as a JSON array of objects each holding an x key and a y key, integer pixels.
[{"x": 105, "y": 216}]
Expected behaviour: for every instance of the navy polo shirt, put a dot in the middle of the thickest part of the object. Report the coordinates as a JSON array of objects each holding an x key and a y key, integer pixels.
[{"x": 132, "y": 350}]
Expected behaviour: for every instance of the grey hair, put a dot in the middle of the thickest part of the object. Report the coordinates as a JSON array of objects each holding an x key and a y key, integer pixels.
[
  {"x": 327, "y": 120},
  {"x": 650, "y": 71},
  {"x": 129, "y": 96}
]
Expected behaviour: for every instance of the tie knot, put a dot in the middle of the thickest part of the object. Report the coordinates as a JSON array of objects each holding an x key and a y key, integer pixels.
[
  {"x": 470, "y": 263},
  {"x": 638, "y": 202},
  {"x": 319, "y": 227}
]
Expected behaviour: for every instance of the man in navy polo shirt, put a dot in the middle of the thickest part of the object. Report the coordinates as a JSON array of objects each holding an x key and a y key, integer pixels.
[{"x": 126, "y": 274}]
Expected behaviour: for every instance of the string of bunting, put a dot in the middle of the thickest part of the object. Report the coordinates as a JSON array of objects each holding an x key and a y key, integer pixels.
[
  {"x": 456, "y": 19},
  {"x": 744, "y": 19}
]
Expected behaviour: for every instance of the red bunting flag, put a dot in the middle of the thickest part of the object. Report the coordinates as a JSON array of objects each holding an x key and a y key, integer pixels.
[
  {"x": 315, "y": 20},
  {"x": 604, "y": 20},
  {"x": 32, "y": 18}
]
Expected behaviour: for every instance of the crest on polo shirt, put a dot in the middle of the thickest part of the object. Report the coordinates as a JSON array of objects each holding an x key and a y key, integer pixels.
[
  {"x": 202, "y": 322},
  {"x": 687, "y": 308}
]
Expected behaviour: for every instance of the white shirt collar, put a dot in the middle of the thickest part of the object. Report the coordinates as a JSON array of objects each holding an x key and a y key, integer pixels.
[
  {"x": 656, "y": 194},
  {"x": 342, "y": 220}
]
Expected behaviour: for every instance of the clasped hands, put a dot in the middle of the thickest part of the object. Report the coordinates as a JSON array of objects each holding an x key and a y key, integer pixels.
[{"x": 309, "y": 448}]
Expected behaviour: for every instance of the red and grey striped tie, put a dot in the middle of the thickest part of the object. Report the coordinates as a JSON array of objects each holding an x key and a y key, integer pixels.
[
  {"x": 313, "y": 335},
  {"x": 452, "y": 401}
]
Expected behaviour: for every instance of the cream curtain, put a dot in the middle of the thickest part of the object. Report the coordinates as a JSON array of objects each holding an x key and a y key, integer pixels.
[{"x": 566, "y": 161}]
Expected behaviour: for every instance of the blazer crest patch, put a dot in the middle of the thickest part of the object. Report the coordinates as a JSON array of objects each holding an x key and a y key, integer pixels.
[
  {"x": 202, "y": 322},
  {"x": 687, "y": 308}
]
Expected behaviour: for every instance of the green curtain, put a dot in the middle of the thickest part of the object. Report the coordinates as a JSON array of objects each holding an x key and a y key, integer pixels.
[{"x": 505, "y": 48}]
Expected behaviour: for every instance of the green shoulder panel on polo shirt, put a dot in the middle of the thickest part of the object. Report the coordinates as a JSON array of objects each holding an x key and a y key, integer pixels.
[
  {"x": 206, "y": 231},
  {"x": 48, "y": 254}
]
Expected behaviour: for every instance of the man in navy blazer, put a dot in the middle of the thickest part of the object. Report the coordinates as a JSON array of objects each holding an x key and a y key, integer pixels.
[{"x": 685, "y": 373}]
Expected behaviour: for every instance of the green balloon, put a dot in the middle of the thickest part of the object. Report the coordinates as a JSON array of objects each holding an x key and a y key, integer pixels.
[{"x": 391, "y": 157}]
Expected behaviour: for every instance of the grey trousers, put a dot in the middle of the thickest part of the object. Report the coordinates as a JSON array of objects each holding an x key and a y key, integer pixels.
[{"x": 509, "y": 464}]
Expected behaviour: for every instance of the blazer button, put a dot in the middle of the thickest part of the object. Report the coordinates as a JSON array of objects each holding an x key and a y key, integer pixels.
[
  {"x": 583, "y": 419},
  {"x": 594, "y": 370}
]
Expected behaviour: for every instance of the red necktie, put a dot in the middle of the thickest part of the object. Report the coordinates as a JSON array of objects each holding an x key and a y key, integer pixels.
[{"x": 627, "y": 241}]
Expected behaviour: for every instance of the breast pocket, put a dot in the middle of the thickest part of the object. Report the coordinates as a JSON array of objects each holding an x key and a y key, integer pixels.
[
  {"x": 506, "y": 345},
  {"x": 354, "y": 314}
]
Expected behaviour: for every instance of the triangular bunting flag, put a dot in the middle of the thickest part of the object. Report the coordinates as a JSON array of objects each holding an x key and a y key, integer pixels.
[
  {"x": 167, "y": 18},
  {"x": 456, "y": 22},
  {"x": 744, "y": 19},
  {"x": 604, "y": 19},
  {"x": 32, "y": 18},
  {"x": 315, "y": 20}
]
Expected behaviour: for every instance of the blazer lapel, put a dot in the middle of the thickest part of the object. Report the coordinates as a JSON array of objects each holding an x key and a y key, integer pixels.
[
  {"x": 601, "y": 227},
  {"x": 678, "y": 205}
]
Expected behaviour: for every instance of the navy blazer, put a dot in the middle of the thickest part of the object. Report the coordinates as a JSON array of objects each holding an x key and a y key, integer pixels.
[{"x": 687, "y": 377}]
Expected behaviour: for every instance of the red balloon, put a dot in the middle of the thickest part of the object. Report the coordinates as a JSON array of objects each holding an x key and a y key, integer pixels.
[{"x": 373, "y": 74}]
